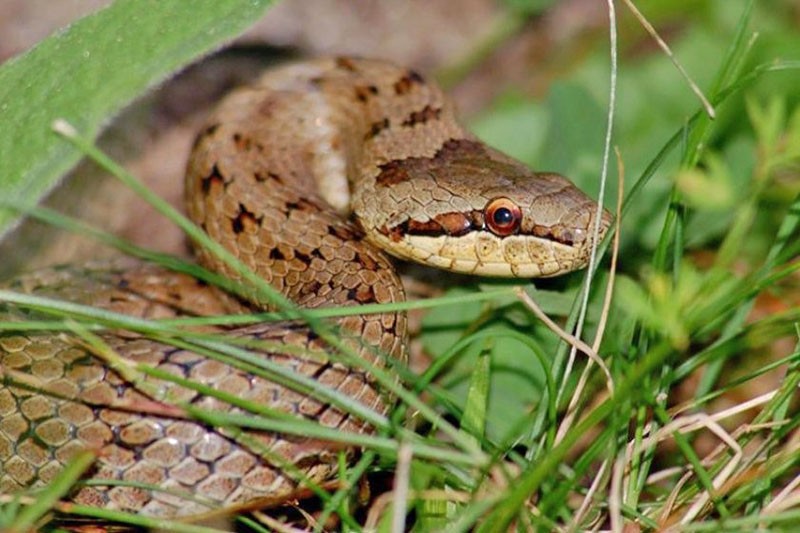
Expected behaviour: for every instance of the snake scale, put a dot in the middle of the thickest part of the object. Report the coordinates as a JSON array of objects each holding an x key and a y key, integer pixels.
[{"x": 272, "y": 177}]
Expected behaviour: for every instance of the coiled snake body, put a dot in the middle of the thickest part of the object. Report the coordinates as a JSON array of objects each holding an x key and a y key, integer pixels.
[{"x": 268, "y": 178}]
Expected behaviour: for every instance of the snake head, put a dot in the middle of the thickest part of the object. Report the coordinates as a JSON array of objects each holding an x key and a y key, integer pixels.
[{"x": 474, "y": 210}]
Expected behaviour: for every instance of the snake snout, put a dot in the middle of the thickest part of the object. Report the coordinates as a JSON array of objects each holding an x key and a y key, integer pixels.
[{"x": 578, "y": 226}]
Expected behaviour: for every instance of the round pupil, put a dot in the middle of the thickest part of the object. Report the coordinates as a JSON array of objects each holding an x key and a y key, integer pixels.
[{"x": 503, "y": 216}]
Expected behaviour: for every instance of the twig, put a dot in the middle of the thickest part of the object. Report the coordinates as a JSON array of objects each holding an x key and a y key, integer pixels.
[
  {"x": 612, "y": 99},
  {"x": 588, "y": 499},
  {"x": 665, "y": 47},
  {"x": 573, "y": 341},
  {"x": 572, "y": 408},
  {"x": 615, "y": 494}
]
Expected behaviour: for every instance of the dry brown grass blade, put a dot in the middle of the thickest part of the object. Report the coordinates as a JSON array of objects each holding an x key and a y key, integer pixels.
[{"x": 665, "y": 47}]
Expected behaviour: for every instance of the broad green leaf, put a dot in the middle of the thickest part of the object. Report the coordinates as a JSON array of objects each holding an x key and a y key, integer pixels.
[
  {"x": 474, "y": 419},
  {"x": 89, "y": 71},
  {"x": 516, "y": 378}
]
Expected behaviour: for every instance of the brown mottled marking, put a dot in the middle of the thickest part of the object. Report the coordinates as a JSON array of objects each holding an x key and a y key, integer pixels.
[
  {"x": 214, "y": 178},
  {"x": 241, "y": 142},
  {"x": 305, "y": 258},
  {"x": 207, "y": 132},
  {"x": 395, "y": 233},
  {"x": 363, "y": 92},
  {"x": 401, "y": 170},
  {"x": 363, "y": 295},
  {"x": 421, "y": 227},
  {"x": 452, "y": 224},
  {"x": 410, "y": 78},
  {"x": 392, "y": 173},
  {"x": 343, "y": 232},
  {"x": 556, "y": 233},
  {"x": 422, "y": 116},
  {"x": 366, "y": 261},
  {"x": 346, "y": 63},
  {"x": 376, "y": 128},
  {"x": 460, "y": 148},
  {"x": 244, "y": 219},
  {"x": 455, "y": 224},
  {"x": 302, "y": 204},
  {"x": 397, "y": 171},
  {"x": 266, "y": 176}
]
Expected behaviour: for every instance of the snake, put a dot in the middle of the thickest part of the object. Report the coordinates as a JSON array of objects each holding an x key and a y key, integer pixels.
[{"x": 309, "y": 176}]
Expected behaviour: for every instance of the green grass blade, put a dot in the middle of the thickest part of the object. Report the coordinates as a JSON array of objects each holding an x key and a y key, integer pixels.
[
  {"x": 101, "y": 515},
  {"x": 474, "y": 419}
]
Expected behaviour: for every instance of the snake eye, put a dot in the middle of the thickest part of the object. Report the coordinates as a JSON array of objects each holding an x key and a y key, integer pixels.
[{"x": 502, "y": 216}]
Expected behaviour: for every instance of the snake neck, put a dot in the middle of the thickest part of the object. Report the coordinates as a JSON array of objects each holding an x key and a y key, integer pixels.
[{"x": 253, "y": 184}]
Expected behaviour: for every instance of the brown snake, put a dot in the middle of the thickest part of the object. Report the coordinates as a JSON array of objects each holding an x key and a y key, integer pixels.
[{"x": 268, "y": 179}]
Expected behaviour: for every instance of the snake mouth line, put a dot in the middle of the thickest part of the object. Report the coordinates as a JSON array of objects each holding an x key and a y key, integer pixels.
[{"x": 458, "y": 224}]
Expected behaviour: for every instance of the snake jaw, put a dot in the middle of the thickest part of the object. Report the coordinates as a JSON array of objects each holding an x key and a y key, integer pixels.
[
  {"x": 561, "y": 250},
  {"x": 545, "y": 231}
]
